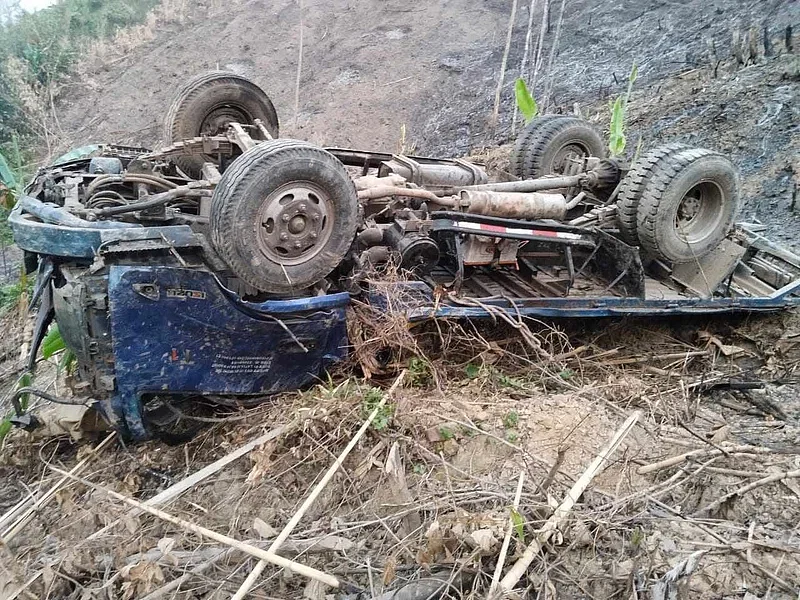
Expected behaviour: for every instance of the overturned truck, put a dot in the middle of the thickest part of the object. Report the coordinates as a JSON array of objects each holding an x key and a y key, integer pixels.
[{"x": 222, "y": 264}]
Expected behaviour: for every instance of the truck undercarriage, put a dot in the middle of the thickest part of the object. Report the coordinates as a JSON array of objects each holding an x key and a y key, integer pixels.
[{"x": 223, "y": 264}]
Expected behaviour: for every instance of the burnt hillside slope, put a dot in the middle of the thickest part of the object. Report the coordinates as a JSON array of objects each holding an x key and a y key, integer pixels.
[{"x": 373, "y": 69}]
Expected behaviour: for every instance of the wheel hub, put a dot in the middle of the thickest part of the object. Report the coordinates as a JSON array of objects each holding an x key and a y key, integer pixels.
[
  {"x": 295, "y": 223},
  {"x": 217, "y": 120},
  {"x": 566, "y": 158}
]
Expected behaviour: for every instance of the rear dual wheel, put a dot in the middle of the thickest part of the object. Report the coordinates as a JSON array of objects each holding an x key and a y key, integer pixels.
[
  {"x": 550, "y": 144},
  {"x": 678, "y": 203}
]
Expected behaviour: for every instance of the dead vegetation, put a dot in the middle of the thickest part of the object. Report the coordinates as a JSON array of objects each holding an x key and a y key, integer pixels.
[{"x": 477, "y": 448}]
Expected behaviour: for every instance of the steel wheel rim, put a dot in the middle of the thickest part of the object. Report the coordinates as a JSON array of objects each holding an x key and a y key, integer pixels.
[
  {"x": 294, "y": 223},
  {"x": 699, "y": 212}
]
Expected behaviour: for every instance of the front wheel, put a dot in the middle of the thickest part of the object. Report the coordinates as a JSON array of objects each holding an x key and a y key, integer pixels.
[
  {"x": 208, "y": 104},
  {"x": 284, "y": 215}
]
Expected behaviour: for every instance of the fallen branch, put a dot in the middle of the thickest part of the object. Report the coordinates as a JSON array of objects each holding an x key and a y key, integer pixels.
[
  {"x": 264, "y": 555},
  {"x": 178, "y": 488},
  {"x": 287, "y": 530},
  {"x": 746, "y": 488},
  {"x": 559, "y": 515},
  {"x": 727, "y": 449},
  {"x": 643, "y": 359}
]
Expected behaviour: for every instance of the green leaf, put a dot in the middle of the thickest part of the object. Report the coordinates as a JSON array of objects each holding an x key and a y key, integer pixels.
[
  {"x": 53, "y": 342},
  {"x": 525, "y": 101},
  {"x": 472, "y": 370},
  {"x": 5, "y": 428},
  {"x": 616, "y": 138},
  {"x": 67, "y": 361},
  {"x": 519, "y": 524}
]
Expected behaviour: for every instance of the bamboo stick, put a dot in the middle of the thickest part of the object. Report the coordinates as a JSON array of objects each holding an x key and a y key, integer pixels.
[
  {"x": 287, "y": 530},
  {"x": 184, "y": 484},
  {"x": 40, "y": 502},
  {"x": 559, "y": 515},
  {"x": 264, "y": 555},
  {"x": 498, "y": 570}
]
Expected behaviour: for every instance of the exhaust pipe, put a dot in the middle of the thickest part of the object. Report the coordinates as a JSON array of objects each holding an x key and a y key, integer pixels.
[{"x": 511, "y": 205}]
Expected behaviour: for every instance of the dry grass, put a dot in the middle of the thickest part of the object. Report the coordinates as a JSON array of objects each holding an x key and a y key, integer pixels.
[{"x": 482, "y": 404}]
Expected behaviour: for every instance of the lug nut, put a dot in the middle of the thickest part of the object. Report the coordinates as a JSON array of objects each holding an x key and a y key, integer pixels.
[
  {"x": 285, "y": 218},
  {"x": 297, "y": 245},
  {"x": 313, "y": 235},
  {"x": 302, "y": 208},
  {"x": 284, "y": 236}
]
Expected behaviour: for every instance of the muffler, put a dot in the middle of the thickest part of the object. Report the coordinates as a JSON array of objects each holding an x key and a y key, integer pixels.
[{"x": 515, "y": 205}]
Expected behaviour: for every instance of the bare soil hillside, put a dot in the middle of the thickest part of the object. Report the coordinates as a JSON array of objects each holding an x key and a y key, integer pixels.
[{"x": 386, "y": 74}]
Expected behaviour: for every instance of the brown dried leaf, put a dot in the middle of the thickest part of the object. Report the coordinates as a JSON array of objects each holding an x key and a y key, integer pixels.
[
  {"x": 389, "y": 571},
  {"x": 264, "y": 529},
  {"x": 142, "y": 578},
  {"x": 260, "y": 457},
  {"x": 131, "y": 523}
]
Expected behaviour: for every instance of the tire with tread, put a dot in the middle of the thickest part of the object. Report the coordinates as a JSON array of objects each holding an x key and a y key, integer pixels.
[
  {"x": 632, "y": 186},
  {"x": 524, "y": 141},
  {"x": 209, "y": 92},
  {"x": 703, "y": 177},
  {"x": 541, "y": 145},
  {"x": 242, "y": 192}
]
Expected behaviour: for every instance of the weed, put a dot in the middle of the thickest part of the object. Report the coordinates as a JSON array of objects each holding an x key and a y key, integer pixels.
[
  {"x": 468, "y": 431},
  {"x": 512, "y": 436},
  {"x": 446, "y": 433},
  {"x": 519, "y": 524},
  {"x": 420, "y": 372},
  {"x": 637, "y": 537},
  {"x": 508, "y": 381},
  {"x": 616, "y": 137},
  {"x": 472, "y": 371},
  {"x": 11, "y": 294},
  {"x": 5, "y": 425},
  {"x": 418, "y": 469},
  {"x": 566, "y": 374},
  {"x": 511, "y": 419},
  {"x": 525, "y": 100},
  {"x": 372, "y": 398}
]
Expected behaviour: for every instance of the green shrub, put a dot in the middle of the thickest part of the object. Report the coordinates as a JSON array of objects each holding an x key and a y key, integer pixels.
[{"x": 38, "y": 50}]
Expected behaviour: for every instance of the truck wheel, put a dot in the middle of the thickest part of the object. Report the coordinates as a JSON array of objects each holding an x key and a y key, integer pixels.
[
  {"x": 207, "y": 104},
  {"x": 688, "y": 204},
  {"x": 548, "y": 143},
  {"x": 634, "y": 184},
  {"x": 284, "y": 215},
  {"x": 525, "y": 140}
]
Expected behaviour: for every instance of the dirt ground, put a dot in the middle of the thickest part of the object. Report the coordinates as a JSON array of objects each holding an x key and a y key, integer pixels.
[
  {"x": 462, "y": 430},
  {"x": 476, "y": 412}
]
